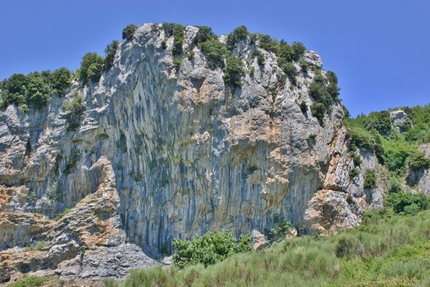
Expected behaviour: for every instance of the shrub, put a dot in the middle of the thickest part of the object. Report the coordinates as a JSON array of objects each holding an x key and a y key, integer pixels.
[
  {"x": 128, "y": 32},
  {"x": 299, "y": 50},
  {"x": 178, "y": 34},
  {"x": 380, "y": 121},
  {"x": 318, "y": 110},
  {"x": 407, "y": 203},
  {"x": 54, "y": 192},
  {"x": 233, "y": 70},
  {"x": 260, "y": 57},
  {"x": 303, "y": 65},
  {"x": 395, "y": 185},
  {"x": 208, "y": 249},
  {"x": 417, "y": 161},
  {"x": 353, "y": 173},
  {"x": 370, "y": 178},
  {"x": 62, "y": 214},
  {"x": 37, "y": 90},
  {"x": 91, "y": 68},
  {"x": 60, "y": 80},
  {"x": 267, "y": 43},
  {"x": 356, "y": 158},
  {"x": 303, "y": 107},
  {"x": 110, "y": 51},
  {"x": 285, "y": 52},
  {"x": 238, "y": 34},
  {"x": 204, "y": 34},
  {"x": 290, "y": 70},
  {"x": 168, "y": 29},
  {"x": 74, "y": 108},
  {"x": 214, "y": 52},
  {"x": 29, "y": 281}
]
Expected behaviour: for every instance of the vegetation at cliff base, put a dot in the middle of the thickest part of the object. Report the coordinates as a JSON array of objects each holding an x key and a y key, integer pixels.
[{"x": 387, "y": 249}]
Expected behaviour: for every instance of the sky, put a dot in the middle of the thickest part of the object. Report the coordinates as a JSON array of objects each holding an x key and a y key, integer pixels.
[{"x": 379, "y": 49}]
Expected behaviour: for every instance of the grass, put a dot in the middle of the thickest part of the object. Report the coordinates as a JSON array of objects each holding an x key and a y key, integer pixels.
[
  {"x": 30, "y": 281},
  {"x": 386, "y": 250}
]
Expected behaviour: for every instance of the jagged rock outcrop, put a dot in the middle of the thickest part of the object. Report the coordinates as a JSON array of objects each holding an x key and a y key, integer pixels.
[{"x": 164, "y": 152}]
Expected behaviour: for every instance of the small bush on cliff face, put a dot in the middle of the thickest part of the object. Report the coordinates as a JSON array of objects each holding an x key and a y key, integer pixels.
[
  {"x": 128, "y": 31},
  {"x": 238, "y": 34},
  {"x": 110, "y": 51},
  {"x": 233, "y": 70},
  {"x": 214, "y": 52},
  {"x": 74, "y": 108},
  {"x": 178, "y": 34},
  {"x": 208, "y": 249},
  {"x": 370, "y": 178},
  {"x": 318, "y": 110}
]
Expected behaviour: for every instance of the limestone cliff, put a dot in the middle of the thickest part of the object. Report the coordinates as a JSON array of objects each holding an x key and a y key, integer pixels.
[{"x": 165, "y": 150}]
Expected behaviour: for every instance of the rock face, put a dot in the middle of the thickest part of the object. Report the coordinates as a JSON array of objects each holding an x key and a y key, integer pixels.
[{"x": 164, "y": 151}]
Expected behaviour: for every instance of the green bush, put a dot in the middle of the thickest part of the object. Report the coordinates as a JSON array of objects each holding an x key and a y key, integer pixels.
[
  {"x": 128, "y": 32},
  {"x": 208, "y": 249},
  {"x": 303, "y": 107},
  {"x": 178, "y": 34},
  {"x": 74, "y": 108},
  {"x": 91, "y": 68},
  {"x": 60, "y": 80},
  {"x": 303, "y": 65},
  {"x": 267, "y": 43},
  {"x": 54, "y": 192},
  {"x": 168, "y": 29},
  {"x": 260, "y": 57},
  {"x": 407, "y": 203},
  {"x": 238, "y": 34},
  {"x": 214, "y": 52},
  {"x": 37, "y": 90},
  {"x": 110, "y": 51},
  {"x": 299, "y": 50},
  {"x": 29, "y": 281},
  {"x": 233, "y": 70},
  {"x": 418, "y": 161},
  {"x": 205, "y": 34},
  {"x": 353, "y": 173},
  {"x": 369, "y": 178},
  {"x": 380, "y": 121},
  {"x": 318, "y": 111}
]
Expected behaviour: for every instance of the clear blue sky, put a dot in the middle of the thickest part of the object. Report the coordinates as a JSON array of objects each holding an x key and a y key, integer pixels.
[{"x": 380, "y": 49}]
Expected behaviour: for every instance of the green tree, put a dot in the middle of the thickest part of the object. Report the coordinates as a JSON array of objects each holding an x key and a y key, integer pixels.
[
  {"x": 214, "y": 52},
  {"x": 110, "y": 51},
  {"x": 318, "y": 111},
  {"x": 233, "y": 70},
  {"x": 91, "y": 68},
  {"x": 238, "y": 34},
  {"x": 205, "y": 33},
  {"x": 178, "y": 34},
  {"x": 37, "y": 90},
  {"x": 370, "y": 178},
  {"x": 299, "y": 50},
  {"x": 60, "y": 80},
  {"x": 74, "y": 109},
  {"x": 128, "y": 32}
]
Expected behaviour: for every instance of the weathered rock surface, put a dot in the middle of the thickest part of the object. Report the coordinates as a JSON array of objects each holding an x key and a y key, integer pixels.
[{"x": 162, "y": 153}]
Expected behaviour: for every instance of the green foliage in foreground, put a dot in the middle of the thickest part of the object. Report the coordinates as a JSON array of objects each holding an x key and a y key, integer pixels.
[
  {"x": 208, "y": 249},
  {"x": 388, "y": 249},
  {"x": 30, "y": 281}
]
